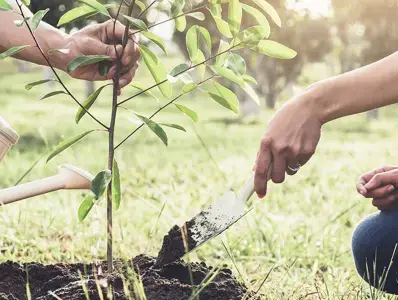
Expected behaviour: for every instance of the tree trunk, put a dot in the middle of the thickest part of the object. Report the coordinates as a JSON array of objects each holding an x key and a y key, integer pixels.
[{"x": 270, "y": 99}]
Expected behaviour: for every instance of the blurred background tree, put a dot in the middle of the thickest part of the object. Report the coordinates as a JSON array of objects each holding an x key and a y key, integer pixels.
[{"x": 349, "y": 35}]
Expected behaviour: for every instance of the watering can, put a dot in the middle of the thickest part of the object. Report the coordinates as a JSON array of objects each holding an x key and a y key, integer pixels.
[{"x": 69, "y": 177}]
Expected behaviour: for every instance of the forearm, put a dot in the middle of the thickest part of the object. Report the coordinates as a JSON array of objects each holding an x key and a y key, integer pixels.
[
  {"x": 47, "y": 36},
  {"x": 361, "y": 90}
]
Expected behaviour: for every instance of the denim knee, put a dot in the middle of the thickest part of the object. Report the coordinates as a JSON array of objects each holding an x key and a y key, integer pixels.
[{"x": 374, "y": 249}]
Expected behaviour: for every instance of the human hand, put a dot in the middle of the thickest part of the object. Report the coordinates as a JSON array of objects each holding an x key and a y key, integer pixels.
[
  {"x": 98, "y": 40},
  {"x": 290, "y": 140},
  {"x": 380, "y": 185}
]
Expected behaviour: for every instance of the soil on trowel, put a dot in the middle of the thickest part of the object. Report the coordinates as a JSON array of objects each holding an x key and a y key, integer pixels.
[
  {"x": 78, "y": 281},
  {"x": 176, "y": 244}
]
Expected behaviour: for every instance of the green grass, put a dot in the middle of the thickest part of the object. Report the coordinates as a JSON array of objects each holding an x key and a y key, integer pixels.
[{"x": 298, "y": 237}]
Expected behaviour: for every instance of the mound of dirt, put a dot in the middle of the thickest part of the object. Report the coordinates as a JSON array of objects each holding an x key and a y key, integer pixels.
[{"x": 78, "y": 281}]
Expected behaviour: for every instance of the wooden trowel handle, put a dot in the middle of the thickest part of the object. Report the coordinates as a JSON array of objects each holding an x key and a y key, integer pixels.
[{"x": 248, "y": 189}]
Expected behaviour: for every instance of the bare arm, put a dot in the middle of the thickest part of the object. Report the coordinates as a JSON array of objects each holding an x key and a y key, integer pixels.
[
  {"x": 91, "y": 40},
  {"x": 361, "y": 90},
  {"x": 293, "y": 133}
]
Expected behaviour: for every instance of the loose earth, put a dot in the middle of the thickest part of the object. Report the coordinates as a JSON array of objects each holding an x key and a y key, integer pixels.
[{"x": 66, "y": 281}]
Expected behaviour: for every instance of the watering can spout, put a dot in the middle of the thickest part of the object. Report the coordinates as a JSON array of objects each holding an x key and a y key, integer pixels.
[{"x": 69, "y": 178}]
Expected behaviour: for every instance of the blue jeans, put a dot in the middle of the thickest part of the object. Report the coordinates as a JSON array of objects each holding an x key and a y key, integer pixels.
[{"x": 374, "y": 248}]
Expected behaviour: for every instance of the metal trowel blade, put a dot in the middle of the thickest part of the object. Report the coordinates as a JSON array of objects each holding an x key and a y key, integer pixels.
[{"x": 206, "y": 225}]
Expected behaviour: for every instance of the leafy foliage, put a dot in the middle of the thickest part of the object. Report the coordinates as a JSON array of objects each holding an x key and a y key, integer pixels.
[
  {"x": 12, "y": 51},
  {"x": 100, "y": 183},
  {"x": 88, "y": 103},
  {"x": 82, "y": 61},
  {"x": 66, "y": 144}
]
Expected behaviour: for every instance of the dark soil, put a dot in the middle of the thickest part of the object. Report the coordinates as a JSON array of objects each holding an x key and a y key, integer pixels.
[
  {"x": 171, "y": 282},
  {"x": 174, "y": 246}
]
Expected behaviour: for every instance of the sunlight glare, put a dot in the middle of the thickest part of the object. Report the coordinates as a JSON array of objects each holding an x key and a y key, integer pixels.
[{"x": 316, "y": 7}]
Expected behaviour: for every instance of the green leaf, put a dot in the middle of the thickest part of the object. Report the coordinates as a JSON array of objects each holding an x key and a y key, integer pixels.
[
  {"x": 85, "y": 207},
  {"x": 177, "y": 73},
  {"x": 66, "y": 144},
  {"x": 248, "y": 78},
  {"x": 80, "y": 12},
  {"x": 52, "y": 94},
  {"x": 88, "y": 103},
  {"x": 197, "y": 15},
  {"x": 258, "y": 15},
  {"x": 97, "y": 6},
  {"x": 274, "y": 49},
  {"x": 181, "y": 23},
  {"x": 29, "y": 86},
  {"x": 137, "y": 23},
  {"x": 189, "y": 87},
  {"x": 36, "y": 19},
  {"x": 228, "y": 74},
  {"x": 252, "y": 34},
  {"x": 201, "y": 69},
  {"x": 206, "y": 36},
  {"x": 236, "y": 63},
  {"x": 189, "y": 112},
  {"x": 252, "y": 93},
  {"x": 12, "y": 51},
  {"x": 192, "y": 42},
  {"x": 26, "y": 2},
  {"x": 225, "y": 97},
  {"x": 4, "y": 6},
  {"x": 100, "y": 183},
  {"x": 155, "y": 128},
  {"x": 216, "y": 10},
  {"x": 104, "y": 67},
  {"x": 222, "y": 27},
  {"x": 156, "y": 39},
  {"x": 268, "y": 8},
  {"x": 116, "y": 192},
  {"x": 176, "y": 8},
  {"x": 138, "y": 86},
  {"x": 82, "y": 61},
  {"x": 140, "y": 4},
  {"x": 175, "y": 126},
  {"x": 157, "y": 69},
  {"x": 222, "y": 58},
  {"x": 56, "y": 51},
  {"x": 234, "y": 16},
  {"x": 179, "y": 69},
  {"x": 19, "y": 23}
]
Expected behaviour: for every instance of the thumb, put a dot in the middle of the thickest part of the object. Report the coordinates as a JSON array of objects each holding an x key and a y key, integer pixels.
[{"x": 97, "y": 47}]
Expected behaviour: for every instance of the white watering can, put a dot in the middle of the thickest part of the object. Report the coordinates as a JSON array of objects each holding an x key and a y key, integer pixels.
[{"x": 69, "y": 177}]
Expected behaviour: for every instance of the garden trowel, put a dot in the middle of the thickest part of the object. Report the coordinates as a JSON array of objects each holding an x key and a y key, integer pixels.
[{"x": 208, "y": 224}]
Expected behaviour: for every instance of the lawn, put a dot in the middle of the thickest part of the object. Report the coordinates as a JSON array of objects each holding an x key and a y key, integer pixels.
[{"x": 301, "y": 230}]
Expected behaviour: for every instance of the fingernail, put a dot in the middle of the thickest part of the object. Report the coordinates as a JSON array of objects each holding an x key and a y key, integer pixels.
[
  {"x": 362, "y": 193},
  {"x": 391, "y": 188},
  {"x": 260, "y": 196},
  {"x": 122, "y": 83}
]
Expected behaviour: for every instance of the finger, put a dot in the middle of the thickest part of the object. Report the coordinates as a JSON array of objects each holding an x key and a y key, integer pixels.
[
  {"x": 263, "y": 164},
  {"x": 131, "y": 53},
  {"x": 381, "y": 192},
  {"x": 292, "y": 163},
  {"x": 365, "y": 178},
  {"x": 279, "y": 168},
  {"x": 385, "y": 201},
  {"x": 125, "y": 80},
  {"x": 114, "y": 31},
  {"x": 96, "y": 47},
  {"x": 382, "y": 179}
]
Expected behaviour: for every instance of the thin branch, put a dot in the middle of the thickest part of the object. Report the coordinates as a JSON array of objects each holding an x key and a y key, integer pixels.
[
  {"x": 55, "y": 72},
  {"x": 145, "y": 10},
  {"x": 157, "y": 111},
  {"x": 171, "y": 19},
  {"x": 183, "y": 71}
]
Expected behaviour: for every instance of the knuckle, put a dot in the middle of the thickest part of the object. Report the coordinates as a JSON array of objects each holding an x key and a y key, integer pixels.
[{"x": 265, "y": 143}]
